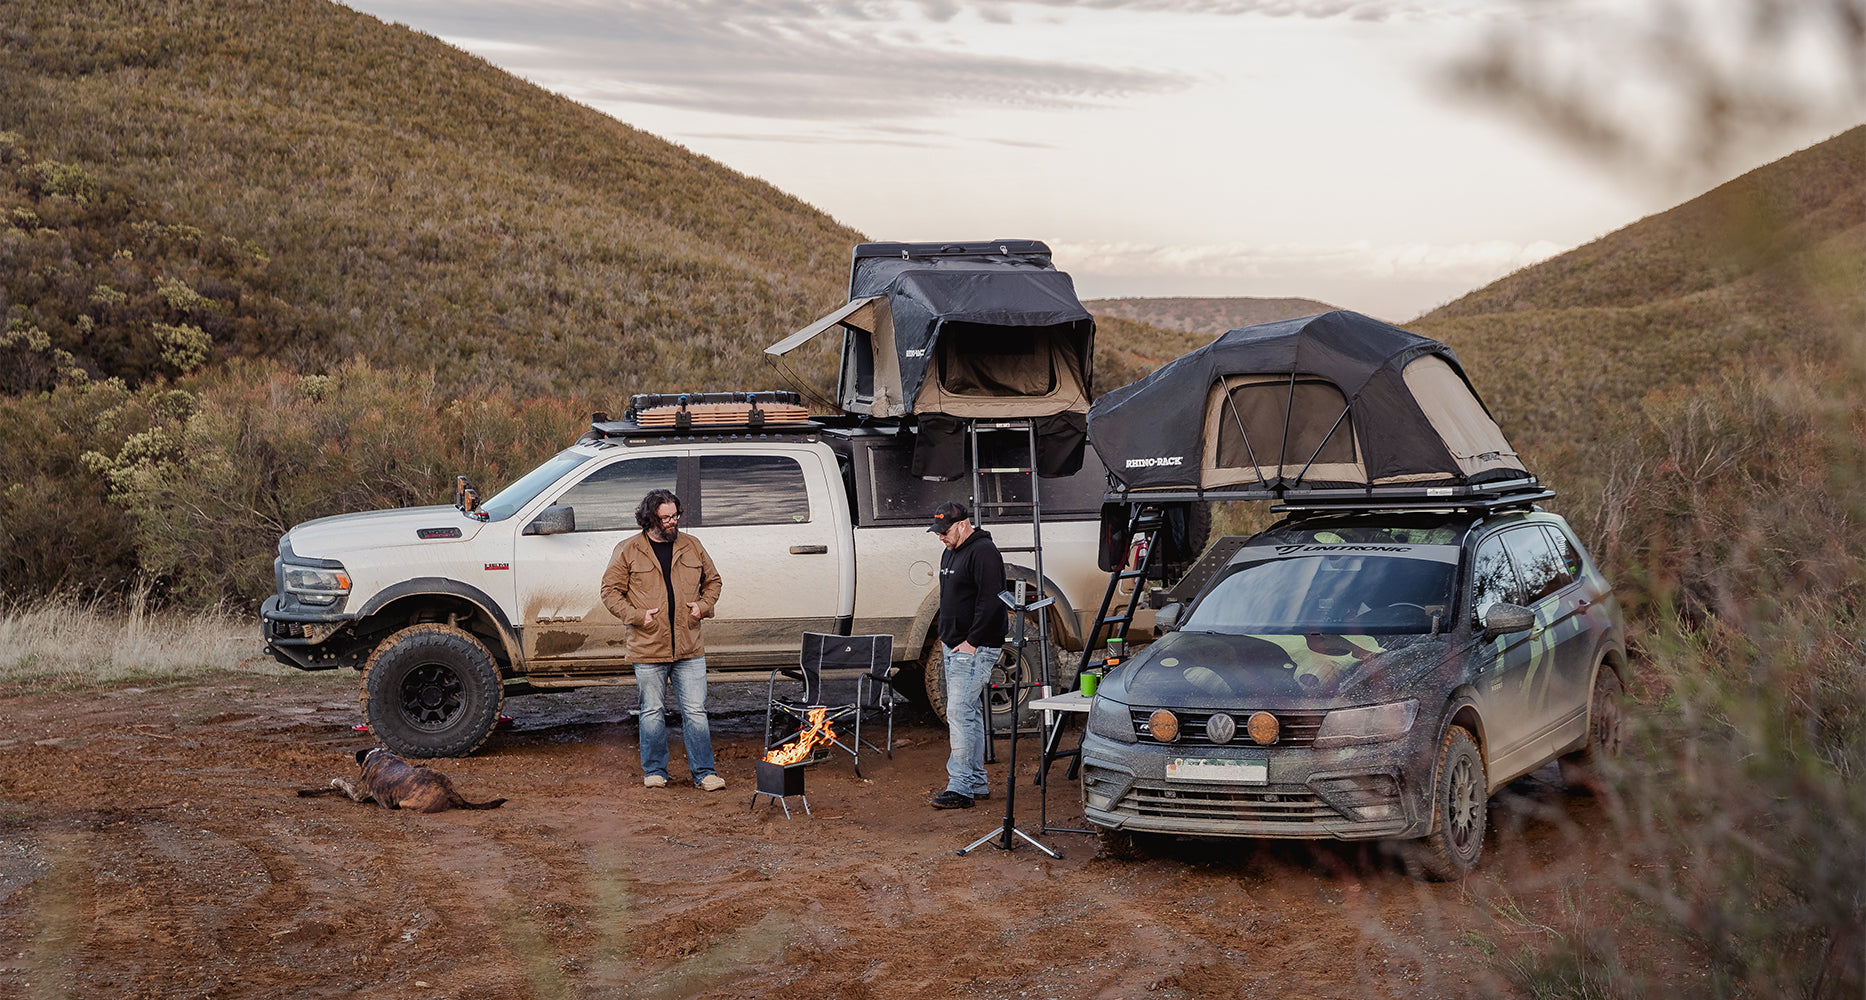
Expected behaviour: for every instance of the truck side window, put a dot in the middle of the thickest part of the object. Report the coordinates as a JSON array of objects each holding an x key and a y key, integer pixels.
[
  {"x": 1493, "y": 578},
  {"x": 606, "y": 499},
  {"x": 1536, "y": 563},
  {"x": 752, "y": 489}
]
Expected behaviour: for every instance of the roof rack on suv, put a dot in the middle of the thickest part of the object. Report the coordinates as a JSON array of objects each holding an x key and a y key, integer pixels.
[
  {"x": 1521, "y": 491},
  {"x": 708, "y": 414}
]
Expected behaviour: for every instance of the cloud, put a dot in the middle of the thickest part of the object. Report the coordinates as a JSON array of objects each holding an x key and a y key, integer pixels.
[{"x": 780, "y": 59}]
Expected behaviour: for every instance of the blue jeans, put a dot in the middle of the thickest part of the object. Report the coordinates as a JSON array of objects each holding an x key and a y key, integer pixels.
[
  {"x": 967, "y": 675},
  {"x": 690, "y": 694}
]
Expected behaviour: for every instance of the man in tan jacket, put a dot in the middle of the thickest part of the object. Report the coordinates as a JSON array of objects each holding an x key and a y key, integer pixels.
[{"x": 662, "y": 584}]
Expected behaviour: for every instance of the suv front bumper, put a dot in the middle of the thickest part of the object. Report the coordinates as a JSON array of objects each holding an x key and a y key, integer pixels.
[{"x": 1371, "y": 792}]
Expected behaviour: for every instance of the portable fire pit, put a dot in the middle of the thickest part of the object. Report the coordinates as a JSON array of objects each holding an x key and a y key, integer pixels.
[
  {"x": 780, "y": 771},
  {"x": 780, "y": 782}
]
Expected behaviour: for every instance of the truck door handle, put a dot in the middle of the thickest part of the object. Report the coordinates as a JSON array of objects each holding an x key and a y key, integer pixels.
[{"x": 809, "y": 550}]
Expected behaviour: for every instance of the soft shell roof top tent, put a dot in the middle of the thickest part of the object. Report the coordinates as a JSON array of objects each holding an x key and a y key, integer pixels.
[
  {"x": 987, "y": 329},
  {"x": 1334, "y": 406}
]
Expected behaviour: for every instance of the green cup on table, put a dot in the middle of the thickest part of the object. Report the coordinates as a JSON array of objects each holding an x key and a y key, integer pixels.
[{"x": 1089, "y": 680}]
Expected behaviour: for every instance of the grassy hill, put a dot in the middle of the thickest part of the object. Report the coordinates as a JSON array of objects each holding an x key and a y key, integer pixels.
[
  {"x": 413, "y": 204},
  {"x": 1207, "y": 316}
]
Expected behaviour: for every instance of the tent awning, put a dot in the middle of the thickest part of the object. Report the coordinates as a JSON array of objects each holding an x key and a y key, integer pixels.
[{"x": 858, "y": 312}]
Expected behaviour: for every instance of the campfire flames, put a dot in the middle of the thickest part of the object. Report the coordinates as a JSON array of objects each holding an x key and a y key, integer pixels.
[{"x": 819, "y": 732}]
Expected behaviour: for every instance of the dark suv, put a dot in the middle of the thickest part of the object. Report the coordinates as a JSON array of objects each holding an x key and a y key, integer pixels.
[{"x": 1363, "y": 675}]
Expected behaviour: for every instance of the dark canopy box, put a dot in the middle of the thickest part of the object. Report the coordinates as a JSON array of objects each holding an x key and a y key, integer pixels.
[
  {"x": 1330, "y": 407},
  {"x": 950, "y": 331}
]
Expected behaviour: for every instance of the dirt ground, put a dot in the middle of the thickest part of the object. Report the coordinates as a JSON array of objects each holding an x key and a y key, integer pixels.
[{"x": 152, "y": 845}]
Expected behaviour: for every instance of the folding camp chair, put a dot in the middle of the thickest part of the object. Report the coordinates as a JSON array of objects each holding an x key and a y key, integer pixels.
[{"x": 873, "y": 655}]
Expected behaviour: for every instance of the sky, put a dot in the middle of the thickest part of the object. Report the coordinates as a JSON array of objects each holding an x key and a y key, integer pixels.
[{"x": 1273, "y": 148}]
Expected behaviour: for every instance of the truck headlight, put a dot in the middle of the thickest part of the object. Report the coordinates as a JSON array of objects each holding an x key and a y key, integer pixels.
[
  {"x": 1111, "y": 719},
  {"x": 1366, "y": 725},
  {"x": 316, "y": 585}
]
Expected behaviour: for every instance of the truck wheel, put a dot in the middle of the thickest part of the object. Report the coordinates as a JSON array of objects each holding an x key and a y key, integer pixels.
[
  {"x": 1459, "y": 801},
  {"x": 1606, "y": 734},
  {"x": 933, "y": 679},
  {"x": 933, "y": 673},
  {"x": 431, "y": 690}
]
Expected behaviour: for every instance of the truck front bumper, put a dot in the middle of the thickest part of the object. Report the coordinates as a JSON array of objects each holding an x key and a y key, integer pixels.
[{"x": 301, "y": 638}]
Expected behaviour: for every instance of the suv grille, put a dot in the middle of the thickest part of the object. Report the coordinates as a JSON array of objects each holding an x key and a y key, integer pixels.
[
  {"x": 1297, "y": 728},
  {"x": 1292, "y": 804}
]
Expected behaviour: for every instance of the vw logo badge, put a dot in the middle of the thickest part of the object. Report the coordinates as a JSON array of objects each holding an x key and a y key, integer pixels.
[{"x": 1221, "y": 728}]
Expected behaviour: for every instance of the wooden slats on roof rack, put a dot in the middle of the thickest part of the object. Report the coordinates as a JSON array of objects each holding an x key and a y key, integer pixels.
[{"x": 721, "y": 414}]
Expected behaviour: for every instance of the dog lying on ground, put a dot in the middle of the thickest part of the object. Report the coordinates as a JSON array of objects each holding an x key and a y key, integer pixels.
[{"x": 393, "y": 783}]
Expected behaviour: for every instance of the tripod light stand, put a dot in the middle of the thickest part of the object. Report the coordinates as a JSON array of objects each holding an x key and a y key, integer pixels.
[{"x": 1009, "y": 827}]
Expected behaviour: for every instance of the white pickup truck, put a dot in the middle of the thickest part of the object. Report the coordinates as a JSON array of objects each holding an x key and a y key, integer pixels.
[{"x": 814, "y": 526}]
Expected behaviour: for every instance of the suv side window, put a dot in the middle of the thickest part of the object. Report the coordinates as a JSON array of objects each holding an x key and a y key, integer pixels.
[
  {"x": 752, "y": 489},
  {"x": 1537, "y": 563},
  {"x": 607, "y": 498},
  {"x": 1493, "y": 579},
  {"x": 1570, "y": 559}
]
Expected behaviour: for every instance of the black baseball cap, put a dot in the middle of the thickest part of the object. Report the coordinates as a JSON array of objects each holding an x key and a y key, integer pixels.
[{"x": 947, "y": 515}]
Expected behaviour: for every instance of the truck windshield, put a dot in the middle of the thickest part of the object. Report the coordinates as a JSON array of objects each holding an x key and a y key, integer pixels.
[
  {"x": 1331, "y": 593},
  {"x": 527, "y": 488}
]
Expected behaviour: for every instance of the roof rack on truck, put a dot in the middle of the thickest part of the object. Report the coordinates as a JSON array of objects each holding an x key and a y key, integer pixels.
[{"x": 710, "y": 416}]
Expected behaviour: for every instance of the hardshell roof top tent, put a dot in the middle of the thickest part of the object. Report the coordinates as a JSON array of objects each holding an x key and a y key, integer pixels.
[
  {"x": 987, "y": 329},
  {"x": 1333, "y": 407}
]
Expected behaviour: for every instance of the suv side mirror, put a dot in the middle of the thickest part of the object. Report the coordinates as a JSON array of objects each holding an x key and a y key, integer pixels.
[
  {"x": 557, "y": 519},
  {"x": 1503, "y": 618},
  {"x": 1167, "y": 618}
]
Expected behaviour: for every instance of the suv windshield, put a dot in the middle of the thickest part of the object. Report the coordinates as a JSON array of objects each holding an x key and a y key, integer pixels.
[
  {"x": 1334, "y": 589},
  {"x": 533, "y": 483}
]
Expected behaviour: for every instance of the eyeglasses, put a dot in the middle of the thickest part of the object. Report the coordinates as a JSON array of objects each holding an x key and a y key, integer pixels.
[{"x": 670, "y": 517}]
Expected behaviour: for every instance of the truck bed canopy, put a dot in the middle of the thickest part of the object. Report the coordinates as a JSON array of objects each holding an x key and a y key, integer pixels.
[
  {"x": 961, "y": 329},
  {"x": 1336, "y": 401}
]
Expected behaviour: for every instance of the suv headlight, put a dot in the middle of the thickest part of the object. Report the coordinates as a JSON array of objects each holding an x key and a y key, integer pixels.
[
  {"x": 1111, "y": 719},
  {"x": 316, "y": 585},
  {"x": 1366, "y": 725}
]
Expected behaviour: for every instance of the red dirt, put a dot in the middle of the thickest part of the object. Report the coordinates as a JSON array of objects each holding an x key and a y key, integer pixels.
[{"x": 152, "y": 844}]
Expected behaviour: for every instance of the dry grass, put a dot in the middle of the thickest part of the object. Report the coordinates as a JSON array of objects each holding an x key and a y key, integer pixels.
[{"x": 67, "y": 644}]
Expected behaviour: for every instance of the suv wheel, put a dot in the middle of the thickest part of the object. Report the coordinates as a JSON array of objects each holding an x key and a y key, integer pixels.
[
  {"x": 1125, "y": 845},
  {"x": 1606, "y": 734},
  {"x": 1458, "y": 811},
  {"x": 431, "y": 690}
]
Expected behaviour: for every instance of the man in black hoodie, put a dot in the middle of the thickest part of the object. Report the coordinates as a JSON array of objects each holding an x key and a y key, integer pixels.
[{"x": 972, "y": 625}]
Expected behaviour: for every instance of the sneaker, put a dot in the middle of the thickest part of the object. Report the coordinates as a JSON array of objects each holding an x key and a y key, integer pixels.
[
  {"x": 711, "y": 783},
  {"x": 655, "y": 781},
  {"x": 952, "y": 800}
]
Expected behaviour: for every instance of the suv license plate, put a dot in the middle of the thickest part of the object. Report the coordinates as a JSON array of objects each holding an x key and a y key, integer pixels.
[{"x": 1247, "y": 772}]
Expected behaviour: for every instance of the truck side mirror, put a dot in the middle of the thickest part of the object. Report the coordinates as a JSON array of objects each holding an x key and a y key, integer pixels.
[
  {"x": 557, "y": 519},
  {"x": 1167, "y": 618},
  {"x": 1503, "y": 618}
]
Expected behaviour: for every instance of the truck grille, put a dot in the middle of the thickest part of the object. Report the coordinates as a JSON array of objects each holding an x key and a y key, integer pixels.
[{"x": 1297, "y": 728}]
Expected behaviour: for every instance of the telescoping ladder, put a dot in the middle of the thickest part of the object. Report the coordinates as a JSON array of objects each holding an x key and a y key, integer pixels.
[
  {"x": 1140, "y": 547},
  {"x": 997, "y": 495}
]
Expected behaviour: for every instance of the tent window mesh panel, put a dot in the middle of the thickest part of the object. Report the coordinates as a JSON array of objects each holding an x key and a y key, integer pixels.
[
  {"x": 1254, "y": 420},
  {"x": 981, "y": 360}
]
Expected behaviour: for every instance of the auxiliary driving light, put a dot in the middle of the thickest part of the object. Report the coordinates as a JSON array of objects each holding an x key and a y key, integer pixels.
[
  {"x": 1264, "y": 728},
  {"x": 1164, "y": 726}
]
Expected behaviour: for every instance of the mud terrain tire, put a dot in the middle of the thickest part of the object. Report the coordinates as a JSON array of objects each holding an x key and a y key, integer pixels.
[
  {"x": 431, "y": 690},
  {"x": 1460, "y": 801},
  {"x": 1606, "y": 735}
]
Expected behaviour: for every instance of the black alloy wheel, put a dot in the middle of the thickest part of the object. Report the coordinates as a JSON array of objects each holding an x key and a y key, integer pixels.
[{"x": 432, "y": 690}]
